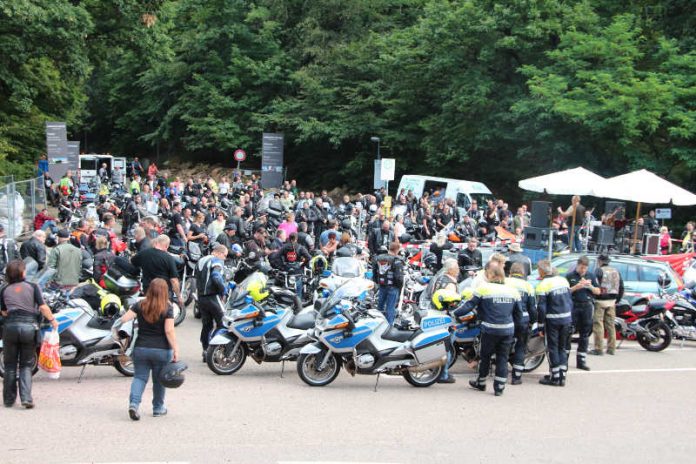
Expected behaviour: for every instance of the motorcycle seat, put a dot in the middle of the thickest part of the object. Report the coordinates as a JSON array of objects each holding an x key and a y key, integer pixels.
[
  {"x": 396, "y": 335},
  {"x": 101, "y": 323},
  {"x": 303, "y": 321}
]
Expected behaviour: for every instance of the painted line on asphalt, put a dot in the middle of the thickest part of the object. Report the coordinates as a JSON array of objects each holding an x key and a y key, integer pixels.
[
  {"x": 331, "y": 462},
  {"x": 636, "y": 371}
]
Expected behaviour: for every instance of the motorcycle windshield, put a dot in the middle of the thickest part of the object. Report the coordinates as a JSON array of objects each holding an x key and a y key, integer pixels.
[
  {"x": 347, "y": 267},
  {"x": 243, "y": 288},
  {"x": 351, "y": 290}
]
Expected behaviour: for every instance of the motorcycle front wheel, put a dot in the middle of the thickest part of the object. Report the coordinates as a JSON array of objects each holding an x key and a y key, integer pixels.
[
  {"x": 310, "y": 374},
  {"x": 34, "y": 370},
  {"x": 124, "y": 365},
  {"x": 422, "y": 379},
  {"x": 189, "y": 291},
  {"x": 661, "y": 336},
  {"x": 179, "y": 313},
  {"x": 223, "y": 361}
]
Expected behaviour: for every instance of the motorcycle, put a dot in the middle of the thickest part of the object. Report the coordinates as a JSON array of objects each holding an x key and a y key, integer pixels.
[
  {"x": 352, "y": 335},
  {"x": 85, "y": 337},
  {"x": 272, "y": 330},
  {"x": 645, "y": 323},
  {"x": 415, "y": 282}
]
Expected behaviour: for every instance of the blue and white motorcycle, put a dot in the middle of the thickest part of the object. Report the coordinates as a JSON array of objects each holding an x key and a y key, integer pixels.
[
  {"x": 87, "y": 338},
  {"x": 271, "y": 330},
  {"x": 360, "y": 339}
]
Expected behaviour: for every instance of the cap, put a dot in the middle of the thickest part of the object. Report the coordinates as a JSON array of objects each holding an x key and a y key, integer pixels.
[
  {"x": 230, "y": 227},
  {"x": 63, "y": 233}
]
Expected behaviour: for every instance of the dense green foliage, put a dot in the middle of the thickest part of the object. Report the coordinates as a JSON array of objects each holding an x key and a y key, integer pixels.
[{"x": 479, "y": 89}]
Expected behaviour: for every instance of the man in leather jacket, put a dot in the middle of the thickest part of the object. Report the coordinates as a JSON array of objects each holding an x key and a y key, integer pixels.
[
  {"x": 211, "y": 289},
  {"x": 34, "y": 248},
  {"x": 380, "y": 238},
  {"x": 470, "y": 257}
]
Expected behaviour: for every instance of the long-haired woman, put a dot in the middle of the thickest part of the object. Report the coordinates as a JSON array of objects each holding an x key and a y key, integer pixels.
[{"x": 155, "y": 345}]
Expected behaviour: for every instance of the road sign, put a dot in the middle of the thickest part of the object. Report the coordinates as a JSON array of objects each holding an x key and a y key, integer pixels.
[
  {"x": 387, "y": 169},
  {"x": 663, "y": 213},
  {"x": 272, "y": 159},
  {"x": 239, "y": 155}
]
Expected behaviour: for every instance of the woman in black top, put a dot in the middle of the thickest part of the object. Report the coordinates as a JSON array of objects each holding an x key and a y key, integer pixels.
[
  {"x": 21, "y": 304},
  {"x": 155, "y": 345}
]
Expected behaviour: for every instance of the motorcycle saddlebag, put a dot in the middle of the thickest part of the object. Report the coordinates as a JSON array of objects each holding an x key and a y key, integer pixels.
[{"x": 431, "y": 351}]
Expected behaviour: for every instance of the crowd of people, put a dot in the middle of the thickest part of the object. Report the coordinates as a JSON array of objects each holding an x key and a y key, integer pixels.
[{"x": 145, "y": 216}]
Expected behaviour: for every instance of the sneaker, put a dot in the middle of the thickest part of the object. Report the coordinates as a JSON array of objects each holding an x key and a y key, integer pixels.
[
  {"x": 28, "y": 404},
  {"x": 547, "y": 380},
  {"x": 448, "y": 379},
  {"x": 159, "y": 413},
  {"x": 133, "y": 413},
  {"x": 596, "y": 353},
  {"x": 611, "y": 352},
  {"x": 477, "y": 386},
  {"x": 517, "y": 381},
  {"x": 583, "y": 367}
]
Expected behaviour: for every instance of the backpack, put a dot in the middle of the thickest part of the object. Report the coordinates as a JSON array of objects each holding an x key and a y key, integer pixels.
[{"x": 611, "y": 281}]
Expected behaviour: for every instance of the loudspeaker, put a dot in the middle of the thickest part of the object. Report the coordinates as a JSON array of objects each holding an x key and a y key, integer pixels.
[
  {"x": 536, "y": 237},
  {"x": 541, "y": 214},
  {"x": 603, "y": 235},
  {"x": 618, "y": 206},
  {"x": 651, "y": 244}
]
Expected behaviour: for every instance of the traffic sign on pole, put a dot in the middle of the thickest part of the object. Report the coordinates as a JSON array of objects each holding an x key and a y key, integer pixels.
[{"x": 239, "y": 156}]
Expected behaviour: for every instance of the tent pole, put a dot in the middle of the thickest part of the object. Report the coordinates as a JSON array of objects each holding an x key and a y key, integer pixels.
[
  {"x": 572, "y": 228},
  {"x": 635, "y": 230}
]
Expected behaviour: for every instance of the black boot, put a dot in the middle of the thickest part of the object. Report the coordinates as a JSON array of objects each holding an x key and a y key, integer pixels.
[
  {"x": 478, "y": 384},
  {"x": 547, "y": 380}
]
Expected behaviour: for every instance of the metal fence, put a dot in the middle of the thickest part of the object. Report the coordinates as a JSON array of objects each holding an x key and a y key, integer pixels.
[{"x": 20, "y": 202}]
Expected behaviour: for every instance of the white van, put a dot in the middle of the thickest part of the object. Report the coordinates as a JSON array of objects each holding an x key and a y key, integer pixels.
[
  {"x": 90, "y": 164},
  {"x": 461, "y": 191}
]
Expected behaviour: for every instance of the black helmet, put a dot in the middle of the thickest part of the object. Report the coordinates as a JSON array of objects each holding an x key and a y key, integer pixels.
[
  {"x": 346, "y": 224},
  {"x": 172, "y": 375}
]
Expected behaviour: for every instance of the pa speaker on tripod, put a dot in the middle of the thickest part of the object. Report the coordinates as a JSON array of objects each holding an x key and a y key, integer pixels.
[
  {"x": 541, "y": 214},
  {"x": 536, "y": 237}
]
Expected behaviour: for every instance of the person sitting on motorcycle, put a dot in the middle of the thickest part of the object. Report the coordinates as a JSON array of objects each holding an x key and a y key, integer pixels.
[
  {"x": 293, "y": 257},
  {"x": 498, "y": 307},
  {"x": 518, "y": 281},
  {"x": 303, "y": 238},
  {"x": 470, "y": 258},
  {"x": 256, "y": 248},
  {"x": 380, "y": 238},
  {"x": 211, "y": 289},
  {"x": 34, "y": 248},
  {"x": 331, "y": 246}
]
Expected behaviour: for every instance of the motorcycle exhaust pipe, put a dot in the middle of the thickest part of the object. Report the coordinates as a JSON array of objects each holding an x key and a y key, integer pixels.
[{"x": 427, "y": 366}]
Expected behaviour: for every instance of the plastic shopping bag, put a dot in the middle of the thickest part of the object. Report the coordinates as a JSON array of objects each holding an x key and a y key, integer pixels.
[{"x": 49, "y": 355}]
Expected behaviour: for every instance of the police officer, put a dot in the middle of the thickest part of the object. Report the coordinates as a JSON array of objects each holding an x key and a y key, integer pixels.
[
  {"x": 583, "y": 287},
  {"x": 554, "y": 305},
  {"x": 388, "y": 274},
  {"x": 293, "y": 256},
  {"x": 211, "y": 288},
  {"x": 518, "y": 281},
  {"x": 498, "y": 307}
]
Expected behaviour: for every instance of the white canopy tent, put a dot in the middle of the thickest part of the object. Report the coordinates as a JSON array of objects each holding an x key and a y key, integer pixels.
[
  {"x": 576, "y": 181},
  {"x": 643, "y": 186}
]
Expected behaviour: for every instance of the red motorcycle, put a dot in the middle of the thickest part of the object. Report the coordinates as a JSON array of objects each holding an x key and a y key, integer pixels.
[{"x": 644, "y": 323}]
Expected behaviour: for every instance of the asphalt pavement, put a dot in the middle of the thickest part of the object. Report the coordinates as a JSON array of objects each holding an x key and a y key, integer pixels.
[{"x": 634, "y": 407}]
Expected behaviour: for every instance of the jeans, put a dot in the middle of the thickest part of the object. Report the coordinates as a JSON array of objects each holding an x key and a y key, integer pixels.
[
  {"x": 148, "y": 360},
  {"x": 19, "y": 342},
  {"x": 444, "y": 374},
  {"x": 500, "y": 346},
  {"x": 50, "y": 225},
  {"x": 577, "y": 243},
  {"x": 387, "y": 302},
  {"x": 557, "y": 345},
  {"x": 299, "y": 283},
  {"x": 211, "y": 317}
]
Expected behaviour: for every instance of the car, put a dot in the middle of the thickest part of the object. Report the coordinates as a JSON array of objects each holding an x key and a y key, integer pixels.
[{"x": 639, "y": 274}]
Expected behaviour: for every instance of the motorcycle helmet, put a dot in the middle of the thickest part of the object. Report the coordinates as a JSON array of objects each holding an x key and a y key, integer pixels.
[
  {"x": 257, "y": 290},
  {"x": 236, "y": 249},
  {"x": 444, "y": 299},
  {"x": 110, "y": 305},
  {"x": 172, "y": 375},
  {"x": 318, "y": 264},
  {"x": 346, "y": 224}
]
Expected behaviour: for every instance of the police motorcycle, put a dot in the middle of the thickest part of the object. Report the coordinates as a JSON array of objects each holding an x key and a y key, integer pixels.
[
  {"x": 466, "y": 340},
  {"x": 86, "y": 335},
  {"x": 341, "y": 271},
  {"x": 265, "y": 323},
  {"x": 349, "y": 333}
]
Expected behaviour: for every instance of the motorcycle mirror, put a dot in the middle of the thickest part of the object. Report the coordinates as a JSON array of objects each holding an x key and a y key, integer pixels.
[
  {"x": 252, "y": 255},
  {"x": 664, "y": 280}
]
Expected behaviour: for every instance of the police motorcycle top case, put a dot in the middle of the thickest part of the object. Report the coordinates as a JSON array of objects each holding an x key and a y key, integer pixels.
[
  {"x": 361, "y": 340},
  {"x": 266, "y": 323}
]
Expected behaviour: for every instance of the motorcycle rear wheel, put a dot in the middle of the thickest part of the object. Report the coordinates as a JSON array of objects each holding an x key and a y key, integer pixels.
[
  {"x": 306, "y": 369},
  {"x": 179, "y": 313},
  {"x": 222, "y": 361},
  {"x": 188, "y": 292},
  {"x": 661, "y": 331},
  {"x": 124, "y": 367},
  {"x": 422, "y": 379}
]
